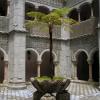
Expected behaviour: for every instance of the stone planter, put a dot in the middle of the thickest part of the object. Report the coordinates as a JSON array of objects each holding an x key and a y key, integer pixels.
[{"x": 50, "y": 86}]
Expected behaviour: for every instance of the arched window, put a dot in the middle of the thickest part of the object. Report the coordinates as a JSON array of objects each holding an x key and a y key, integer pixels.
[
  {"x": 85, "y": 12},
  {"x": 3, "y": 7},
  {"x": 46, "y": 69},
  {"x": 82, "y": 66},
  {"x": 73, "y": 14},
  {"x": 31, "y": 64},
  {"x": 43, "y": 9},
  {"x": 28, "y": 7}
]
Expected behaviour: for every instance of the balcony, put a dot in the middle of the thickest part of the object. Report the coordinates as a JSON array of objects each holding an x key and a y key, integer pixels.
[
  {"x": 53, "y": 3},
  {"x": 4, "y": 24},
  {"x": 42, "y": 31},
  {"x": 87, "y": 27}
]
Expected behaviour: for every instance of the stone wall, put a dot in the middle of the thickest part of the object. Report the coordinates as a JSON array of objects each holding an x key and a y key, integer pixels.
[
  {"x": 41, "y": 44},
  {"x": 61, "y": 49},
  {"x": 86, "y": 43},
  {"x": 4, "y": 24}
]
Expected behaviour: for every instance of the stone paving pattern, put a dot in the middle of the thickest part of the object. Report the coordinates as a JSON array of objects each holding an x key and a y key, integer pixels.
[{"x": 78, "y": 91}]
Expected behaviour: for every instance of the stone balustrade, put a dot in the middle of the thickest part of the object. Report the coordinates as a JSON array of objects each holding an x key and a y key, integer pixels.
[
  {"x": 73, "y": 2},
  {"x": 53, "y": 3},
  {"x": 42, "y": 31},
  {"x": 83, "y": 28}
]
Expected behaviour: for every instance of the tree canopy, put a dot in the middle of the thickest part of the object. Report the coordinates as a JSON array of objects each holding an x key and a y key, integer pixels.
[{"x": 55, "y": 17}]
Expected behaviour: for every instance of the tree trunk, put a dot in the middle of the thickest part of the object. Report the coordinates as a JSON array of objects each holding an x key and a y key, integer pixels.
[{"x": 51, "y": 65}]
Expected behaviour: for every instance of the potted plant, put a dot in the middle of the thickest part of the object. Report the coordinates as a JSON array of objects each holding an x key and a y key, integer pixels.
[{"x": 49, "y": 84}]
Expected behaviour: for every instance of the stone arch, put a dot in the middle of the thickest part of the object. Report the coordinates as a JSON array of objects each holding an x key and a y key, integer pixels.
[
  {"x": 3, "y": 59},
  {"x": 85, "y": 11},
  {"x": 82, "y": 65},
  {"x": 5, "y": 54},
  {"x": 3, "y": 7},
  {"x": 29, "y": 7},
  {"x": 31, "y": 63},
  {"x": 43, "y": 9},
  {"x": 47, "y": 69},
  {"x": 73, "y": 14},
  {"x": 31, "y": 49},
  {"x": 74, "y": 58},
  {"x": 55, "y": 56}
]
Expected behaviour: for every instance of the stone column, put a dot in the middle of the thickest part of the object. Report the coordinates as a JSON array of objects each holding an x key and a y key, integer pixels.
[
  {"x": 56, "y": 69},
  {"x": 90, "y": 70},
  {"x": 5, "y": 71},
  {"x": 17, "y": 15},
  {"x": 8, "y": 8},
  {"x": 17, "y": 44},
  {"x": 38, "y": 68},
  {"x": 92, "y": 11},
  {"x": 75, "y": 69},
  {"x": 79, "y": 19}
]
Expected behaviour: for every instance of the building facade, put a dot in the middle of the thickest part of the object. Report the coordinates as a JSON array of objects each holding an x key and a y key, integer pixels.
[{"x": 25, "y": 53}]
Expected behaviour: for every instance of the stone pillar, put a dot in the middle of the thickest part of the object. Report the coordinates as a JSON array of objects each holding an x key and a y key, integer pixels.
[
  {"x": 8, "y": 8},
  {"x": 38, "y": 68},
  {"x": 5, "y": 72},
  {"x": 56, "y": 69},
  {"x": 17, "y": 44},
  {"x": 90, "y": 70},
  {"x": 92, "y": 11},
  {"x": 17, "y": 15},
  {"x": 79, "y": 18},
  {"x": 75, "y": 69}
]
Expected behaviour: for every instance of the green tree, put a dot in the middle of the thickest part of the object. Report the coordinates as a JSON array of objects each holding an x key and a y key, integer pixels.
[{"x": 56, "y": 17}]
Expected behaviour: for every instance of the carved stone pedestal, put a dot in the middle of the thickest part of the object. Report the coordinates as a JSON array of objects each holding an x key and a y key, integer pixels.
[
  {"x": 37, "y": 95},
  {"x": 63, "y": 95}
]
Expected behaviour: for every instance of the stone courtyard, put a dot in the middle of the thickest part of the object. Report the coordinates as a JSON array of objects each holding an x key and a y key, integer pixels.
[
  {"x": 24, "y": 53},
  {"x": 78, "y": 91}
]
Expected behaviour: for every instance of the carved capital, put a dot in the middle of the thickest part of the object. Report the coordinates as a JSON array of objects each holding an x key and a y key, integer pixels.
[{"x": 90, "y": 61}]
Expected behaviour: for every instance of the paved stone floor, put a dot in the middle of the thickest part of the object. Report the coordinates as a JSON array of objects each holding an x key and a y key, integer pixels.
[
  {"x": 78, "y": 91},
  {"x": 83, "y": 91}
]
